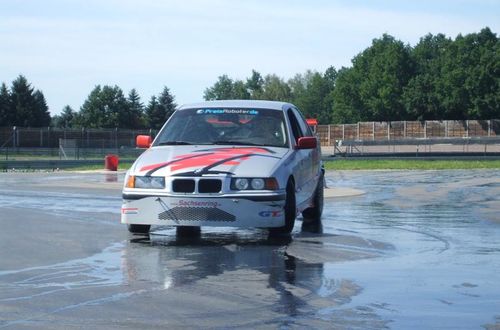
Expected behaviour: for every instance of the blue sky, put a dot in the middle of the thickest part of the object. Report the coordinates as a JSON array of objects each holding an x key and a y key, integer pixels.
[{"x": 65, "y": 48}]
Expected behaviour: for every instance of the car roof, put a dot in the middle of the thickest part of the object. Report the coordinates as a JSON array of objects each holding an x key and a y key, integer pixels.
[{"x": 239, "y": 104}]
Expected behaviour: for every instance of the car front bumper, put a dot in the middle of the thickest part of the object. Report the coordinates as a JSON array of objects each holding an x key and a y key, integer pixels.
[{"x": 265, "y": 211}]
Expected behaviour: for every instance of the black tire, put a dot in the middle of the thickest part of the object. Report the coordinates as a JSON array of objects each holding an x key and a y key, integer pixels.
[
  {"x": 139, "y": 229},
  {"x": 313, "y": 214},
  {"x": 188, "y": 231},
  {"x": 290, "y": 212}
]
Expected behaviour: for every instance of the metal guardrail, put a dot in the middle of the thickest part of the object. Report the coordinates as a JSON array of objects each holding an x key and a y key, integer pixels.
[
  {"x": 430, "y": 141},
  {"x": 46, "y": 164},
  {"x": 66, "y": 153}
]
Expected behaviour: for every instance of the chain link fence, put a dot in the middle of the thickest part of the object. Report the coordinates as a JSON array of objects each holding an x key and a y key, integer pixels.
[
  {"x": 75, "y": 144},
  {"x": 70, "y": 144}
]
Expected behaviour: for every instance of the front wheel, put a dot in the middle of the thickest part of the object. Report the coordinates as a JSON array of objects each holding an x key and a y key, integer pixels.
[
  {"x": 188, "y": 231},
  {"x": 312, "y": 215},
  {"x": 139, "y": 229},
  {"x": 290, "y": 212}
]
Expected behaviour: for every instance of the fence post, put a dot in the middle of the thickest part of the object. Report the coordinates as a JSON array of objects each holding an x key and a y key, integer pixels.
[
  {"x": 388, "y": 131},
  {"x": 446, "y": 128},
  {"x": 116, "y": 139},
  {"x": 15, "y": 140},
  {"x": 373, "y": 131},
  {"x": 467, "y": 129},
  {"x": 404, "y": 129},
  {"x": 329, "y": 135},
  {"x": 425, "y": 129},
  {"x": 489, "y": 128},
  {"x": 343, "y": 131}
]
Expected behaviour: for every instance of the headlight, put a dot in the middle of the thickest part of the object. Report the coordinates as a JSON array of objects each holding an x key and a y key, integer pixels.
[
  {"x": 146, "y": 182},
  {"x": 241, "y": 184},
  {"x": 254, "y": 184},
  {"x": 258, "y": 184}
]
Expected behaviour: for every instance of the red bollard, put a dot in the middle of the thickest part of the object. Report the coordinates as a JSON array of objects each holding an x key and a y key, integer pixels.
[{"x": 111, "y": 162}]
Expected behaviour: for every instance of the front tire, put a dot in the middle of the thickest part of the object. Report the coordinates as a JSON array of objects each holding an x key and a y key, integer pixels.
[
  {"x": 313, "y": 214},
  {"x": 290, "y": 212},
  {"x": 139, "y": 229},
  {"x": 188, "y": 231}
]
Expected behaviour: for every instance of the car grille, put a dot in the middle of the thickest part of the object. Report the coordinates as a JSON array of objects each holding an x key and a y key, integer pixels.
[
  {"x": 205, "y": 186},
  {"x": 183, "y": 185},
  {"x": 196, "y": 214}
]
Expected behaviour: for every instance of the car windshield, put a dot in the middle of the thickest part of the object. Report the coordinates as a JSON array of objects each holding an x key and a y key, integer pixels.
[{"x": 255, "y": 127}]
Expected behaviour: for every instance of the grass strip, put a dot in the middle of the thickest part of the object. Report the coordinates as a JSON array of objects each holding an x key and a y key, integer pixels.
[
  {"x": 121, "y": 166},
  {"x": 410, "y": 164}
]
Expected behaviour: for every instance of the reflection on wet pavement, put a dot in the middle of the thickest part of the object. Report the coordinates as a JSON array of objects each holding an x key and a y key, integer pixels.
[{"x": 418, "y": 250}]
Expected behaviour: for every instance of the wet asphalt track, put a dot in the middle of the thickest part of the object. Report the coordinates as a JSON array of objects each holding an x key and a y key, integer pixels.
[{"x": 418, "y": 250}]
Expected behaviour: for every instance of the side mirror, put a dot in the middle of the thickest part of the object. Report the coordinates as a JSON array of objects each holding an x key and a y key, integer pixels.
[
  {"x": 307, "y": 142},
  {"x": 143, "y": 141}
]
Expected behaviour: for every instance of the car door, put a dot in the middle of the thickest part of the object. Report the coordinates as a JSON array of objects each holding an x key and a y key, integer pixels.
[{"x": 304, "y": 159}]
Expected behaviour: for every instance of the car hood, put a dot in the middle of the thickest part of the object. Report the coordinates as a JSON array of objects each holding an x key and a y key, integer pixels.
[{"x": 200, "y": 160}]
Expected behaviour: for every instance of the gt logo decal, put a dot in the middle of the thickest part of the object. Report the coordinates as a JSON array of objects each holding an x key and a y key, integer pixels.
[{"x": 270, "y": 214}]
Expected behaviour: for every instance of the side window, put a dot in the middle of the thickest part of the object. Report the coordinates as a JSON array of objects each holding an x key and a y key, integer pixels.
[
  {"x": 306, "y": 130},
  {"x": 296, "y": 130}
]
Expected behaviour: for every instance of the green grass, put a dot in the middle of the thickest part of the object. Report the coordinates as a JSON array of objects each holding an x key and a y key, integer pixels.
[
  {"x": 121, "y": 166},
  {"x": 409, "y": 164},
  {"x": 370, "y": 164}
]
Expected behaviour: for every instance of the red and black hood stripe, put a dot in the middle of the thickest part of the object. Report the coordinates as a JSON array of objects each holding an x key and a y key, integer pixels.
[{"x": 206, "y": 160}]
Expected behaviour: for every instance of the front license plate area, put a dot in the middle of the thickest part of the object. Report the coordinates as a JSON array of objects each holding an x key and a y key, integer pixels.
[{"x": 193, "y": 210}]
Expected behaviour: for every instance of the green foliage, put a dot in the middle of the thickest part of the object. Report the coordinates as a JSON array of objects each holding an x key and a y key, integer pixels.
[
  {"x": 311, "y": 93},
  {"x": 372, "y": 89},
  {"x": 255, "y": 85},
  {"x": 276, "y": 89},
  {"x": 160, "y": 109},
  {"x": 457, "y": 79},
  {"x": 26, "y": 106},
  {"x": 6, "y": 114},
  {"x": 227, "y": 89},
  {"x": 41, "y": 113},
  {"x": 134, "y": 111},
  {"x": 67, "y": 118},
  {"x": 105, "y": 107},
  {"x": 153, "y": 113}
]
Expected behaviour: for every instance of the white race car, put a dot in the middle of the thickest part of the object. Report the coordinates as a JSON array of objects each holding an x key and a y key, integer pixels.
[{"x": 226, "y": 163}]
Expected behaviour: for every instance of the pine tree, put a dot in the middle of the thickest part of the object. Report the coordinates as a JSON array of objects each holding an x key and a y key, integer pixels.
[
  {"x": 6, "y": 118},
  {"x": 153, "y": 114},
  {"x": 254, "y": 85},
  {"x": 66, "y": 119},
  {"x": 135, "y": 110},
  {"x": 40, "y": 110},
  {"x": 22, "y": 102},
  {"x": 166, "y": 101}
]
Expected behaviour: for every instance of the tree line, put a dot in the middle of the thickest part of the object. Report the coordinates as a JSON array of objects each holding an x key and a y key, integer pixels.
[
  {"x": 438, "y": 79},
  {"x": 105, "y": 107}
]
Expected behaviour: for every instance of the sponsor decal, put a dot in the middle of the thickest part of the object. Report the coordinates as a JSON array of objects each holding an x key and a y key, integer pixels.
[
  {"x": 270, "y": 214},
  {"x": 130, "y": 210},
  {"x": 205, "y": 160},
  {"x": 227, "y": 111},
  {"x": 192, "y": 203}
]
